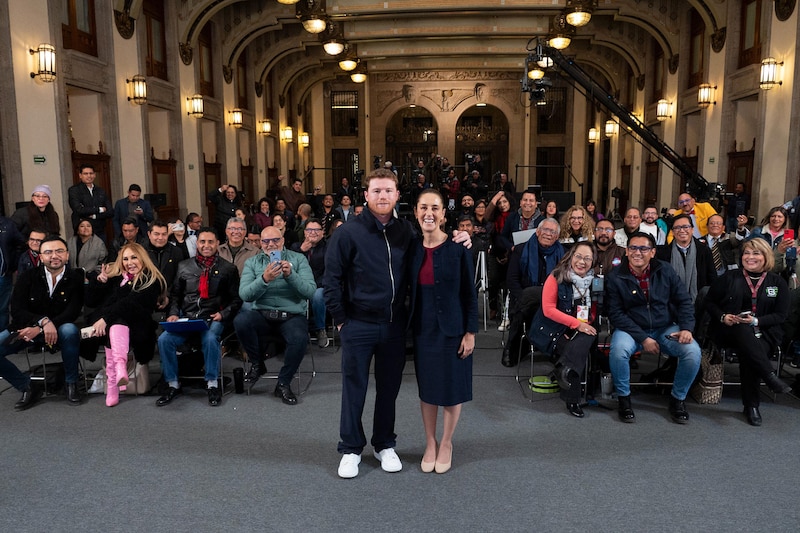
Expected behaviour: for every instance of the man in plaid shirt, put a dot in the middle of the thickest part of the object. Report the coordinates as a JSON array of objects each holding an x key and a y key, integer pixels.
[{"x": 650, "y": 310}]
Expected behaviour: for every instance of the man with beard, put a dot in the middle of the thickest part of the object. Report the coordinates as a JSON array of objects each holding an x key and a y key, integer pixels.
[
  {"x": 44, "y": 306},
  {"x": 653, "y": 225},
  {"x": 609, "y": 254}
]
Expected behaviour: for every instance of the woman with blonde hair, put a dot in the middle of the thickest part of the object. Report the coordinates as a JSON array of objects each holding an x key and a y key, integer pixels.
[
  {"x": 748, "y": 308},
  {"x": 576, "y": 226},
  {"x": 127, "y": 290}
]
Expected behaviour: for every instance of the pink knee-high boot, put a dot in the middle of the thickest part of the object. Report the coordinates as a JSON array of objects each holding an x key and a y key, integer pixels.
[
  {"x": 119, "y": 338},
  {"x": 112, "y": 390}
]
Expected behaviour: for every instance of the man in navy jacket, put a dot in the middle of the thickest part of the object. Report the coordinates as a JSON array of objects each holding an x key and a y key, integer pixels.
[
  {"x": 650, "y": 310},
  {"x": 365, "y": 286}
]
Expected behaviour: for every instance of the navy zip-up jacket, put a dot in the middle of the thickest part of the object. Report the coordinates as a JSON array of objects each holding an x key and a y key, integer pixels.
[
  {"x": 631, "y": 312},
  {"x": 366, "y": 268}
]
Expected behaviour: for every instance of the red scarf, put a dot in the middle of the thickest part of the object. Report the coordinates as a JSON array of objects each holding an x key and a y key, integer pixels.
[{"x": 205, "y": 263}]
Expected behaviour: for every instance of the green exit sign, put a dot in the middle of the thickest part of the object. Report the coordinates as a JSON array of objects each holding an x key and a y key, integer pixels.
[{"x": 39, "y": 160}]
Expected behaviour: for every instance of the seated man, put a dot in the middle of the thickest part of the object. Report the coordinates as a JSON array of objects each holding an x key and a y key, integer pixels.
[
  {"x": 699, "y": 212},
  {"x": 279, "y": 291},
  {"x": 650, "y": 310},
  {"x": 236, "y": 250},
  {"x": 313, "y": 248},
  {"x": 44, "y": 305},
  {"x": 205, "y": 287},
  {"x": 631, "y": 223},
  {"x": 130, "y": 233},
  {"x": 528, "y": 268},
  {"x": 30, "y": 257}
]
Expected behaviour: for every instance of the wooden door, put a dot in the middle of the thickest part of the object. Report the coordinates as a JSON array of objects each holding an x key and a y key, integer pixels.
[
  {"x": 101, "y": 162},
  {"x": 213, "y": 180},
  {"x": 165, "y": 182}
]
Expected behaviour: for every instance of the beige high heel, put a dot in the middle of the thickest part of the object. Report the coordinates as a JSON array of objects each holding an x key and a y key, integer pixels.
[
  {"x": 426, "y": 466},
  {"x": 440, "y": 467}
]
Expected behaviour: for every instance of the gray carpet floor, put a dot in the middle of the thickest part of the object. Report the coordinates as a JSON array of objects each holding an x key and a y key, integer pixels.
[{"x": 254, "y": 464}]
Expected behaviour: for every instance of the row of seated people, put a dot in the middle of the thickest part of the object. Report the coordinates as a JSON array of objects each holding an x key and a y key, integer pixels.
[
  {"x": 274, "y": 283},
  {"x": 654, "y": 297}
]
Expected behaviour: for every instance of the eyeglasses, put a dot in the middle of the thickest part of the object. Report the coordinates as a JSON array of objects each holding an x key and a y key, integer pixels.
[
  {"x": 235, "y": 230},
  {"x": 547, "y": 231},
  {"x": 604, "y": 230},
  {"x": 313, "y": 230},
  {"x": 683, "y": 227},
  {"x": 576, "y": 218},
  {"x": 34, "y": 240},
  {"x": 272, "y": 241},
  {"x": 684, "y": 202},
  {"x": 583, "y": 258},
  {"x": 715, "y": 223},
  {"x": 60, "y": 251},
  {"x": 639, "y": 249},
  {"x": 39, "y": 195}
]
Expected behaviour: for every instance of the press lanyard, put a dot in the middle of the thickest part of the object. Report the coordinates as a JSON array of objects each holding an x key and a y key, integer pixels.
[{"x": 754, "y": 290}]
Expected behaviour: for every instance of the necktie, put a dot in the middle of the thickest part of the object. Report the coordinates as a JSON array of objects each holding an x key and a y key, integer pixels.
[{"x": 716, "y": 255}]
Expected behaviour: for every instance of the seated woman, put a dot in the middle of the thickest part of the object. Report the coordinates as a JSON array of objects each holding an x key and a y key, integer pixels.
[
  {"x": 178, "y": 235},
  {"x": 38, "y": 213},
  {"x": 86, "y": 250},
  {"x": 747, "y": 309},
  {"x": 563, "y": 325},
  {"x": 576, "y": 226},
  {"x": 263, "y": 216},
  {"x": 128, "y": 290}
]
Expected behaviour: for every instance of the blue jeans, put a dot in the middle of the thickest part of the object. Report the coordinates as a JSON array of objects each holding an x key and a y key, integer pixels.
[
  {"x": 360, "y": 340},
  {"x": 623, "y": 347},
  {"x": 69, "y": 338},
  {"x": 209, "y": 342},
  {"x": 6, "y": 284},
  {"x": 254, "y": 330},
  {"x": 318, "y": 309}
]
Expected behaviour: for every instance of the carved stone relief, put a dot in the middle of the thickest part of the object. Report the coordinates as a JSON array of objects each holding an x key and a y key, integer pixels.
[
  {"x": 718, "y": 39},
  {"x": 186, "y": 53},
  {"x": 125, "y": 24}
]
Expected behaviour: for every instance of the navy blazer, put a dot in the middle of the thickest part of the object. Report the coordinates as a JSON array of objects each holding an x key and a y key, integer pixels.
[{"x": 454, "y": 287}]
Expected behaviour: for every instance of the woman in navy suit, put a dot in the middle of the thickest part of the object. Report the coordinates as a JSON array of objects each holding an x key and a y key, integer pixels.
[{"x": 445, "y": 320}]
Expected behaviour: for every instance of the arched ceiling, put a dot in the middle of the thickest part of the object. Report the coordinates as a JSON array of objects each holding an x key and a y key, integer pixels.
[{"x": 445, "y": 35}]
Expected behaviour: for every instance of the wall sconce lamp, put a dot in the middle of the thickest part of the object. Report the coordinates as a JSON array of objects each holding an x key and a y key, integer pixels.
[
  {"x": 769, "y": 73},
  {"x": 612, "y": 128},
  {"x": 312, "y": 14},
  {"x": 705, "y": 95},
  {"x": 304, "y": 140},
  {"x": 236, "y": 118},
  {"x": 594, "y": 135},
  {"x": 195, "y": 105},
  {"x": 663, "y": 108},
  {"x": 288, "y": 2},
  {"x": 45, "y": 62},
  {"x": 287, "y": 135},
  {"x": 359, "y": 75},
  {"x": 579, "y": 12},
  {"x": 138, "y": 85},
  {"x": 265, "y": 127}
]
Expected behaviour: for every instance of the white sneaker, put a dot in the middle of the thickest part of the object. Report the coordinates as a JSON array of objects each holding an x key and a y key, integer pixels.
[
  {"x": 389, "y": 460},
  {"x": 503, "y": 325},
  {"x": 348, "y": 466}
]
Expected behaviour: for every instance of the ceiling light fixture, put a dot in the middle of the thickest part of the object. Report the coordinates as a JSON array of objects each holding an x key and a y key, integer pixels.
[
  {"x": 579, "y": 12},
  {"x": 312, "y": 14}
]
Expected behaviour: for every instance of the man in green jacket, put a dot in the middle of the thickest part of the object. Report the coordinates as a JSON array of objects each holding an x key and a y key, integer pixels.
[{"x": 279, "y": 284}]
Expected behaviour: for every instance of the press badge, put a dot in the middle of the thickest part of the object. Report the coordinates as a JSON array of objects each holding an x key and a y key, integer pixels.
[{"x": 583, "y": 313}]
